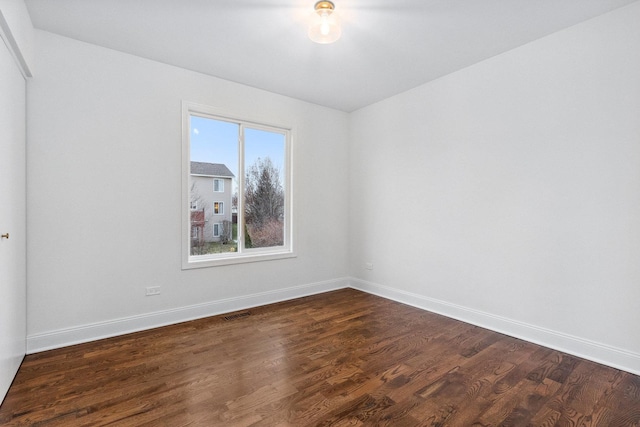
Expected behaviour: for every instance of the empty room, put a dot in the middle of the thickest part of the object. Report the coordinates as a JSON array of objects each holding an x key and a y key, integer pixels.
[{"x": 305, "y": 213}]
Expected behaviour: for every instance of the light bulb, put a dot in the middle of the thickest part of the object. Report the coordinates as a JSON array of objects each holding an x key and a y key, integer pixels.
[{"x": 324, "y": 26}]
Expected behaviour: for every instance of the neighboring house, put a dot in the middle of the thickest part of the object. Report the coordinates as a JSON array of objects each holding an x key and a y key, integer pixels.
[{"x": 211, "y": 187}]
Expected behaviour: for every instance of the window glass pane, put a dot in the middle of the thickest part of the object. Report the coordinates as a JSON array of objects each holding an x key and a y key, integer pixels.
[
  {"x": 264, "y": 195},
  {"x": 237, "y": 203},
  {"x": 214, "y": 158}
]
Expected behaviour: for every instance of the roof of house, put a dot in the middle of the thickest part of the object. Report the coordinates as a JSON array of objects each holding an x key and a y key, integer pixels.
[{"x": 211, "y": 169}]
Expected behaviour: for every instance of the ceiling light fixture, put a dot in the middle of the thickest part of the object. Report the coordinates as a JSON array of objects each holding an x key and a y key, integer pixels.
[{"x": 324, "y": 25}]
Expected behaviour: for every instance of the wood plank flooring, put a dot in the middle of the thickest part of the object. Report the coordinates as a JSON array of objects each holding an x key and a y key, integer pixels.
[{"x": 343, "y": 358}]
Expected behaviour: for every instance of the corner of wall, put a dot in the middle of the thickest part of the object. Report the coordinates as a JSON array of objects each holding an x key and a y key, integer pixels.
[{"x": 580, "y": 347}]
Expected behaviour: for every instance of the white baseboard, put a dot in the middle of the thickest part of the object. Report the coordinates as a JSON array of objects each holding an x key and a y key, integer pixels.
[
  {"x": 95, "y": 331},
  {"x": 586, "y": 349},
  {"x": 597, "y": 352}
]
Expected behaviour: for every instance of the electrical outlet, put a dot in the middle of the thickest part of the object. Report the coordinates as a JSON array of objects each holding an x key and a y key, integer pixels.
[
  {"x": 152, "y": 290},
  {"x": 368, "y": 265}
]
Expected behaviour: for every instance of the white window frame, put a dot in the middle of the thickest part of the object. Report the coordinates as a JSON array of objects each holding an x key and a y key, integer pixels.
[
  {"x": 242, "y": 255},
  {"x": 220, "y": 182},
  {"x": 193, "y": 205},
  {"x": 220, "y": 208},
  {"x": 216, "y": 226}
]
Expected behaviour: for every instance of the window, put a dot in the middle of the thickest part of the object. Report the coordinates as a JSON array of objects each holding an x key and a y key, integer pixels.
[
  {"x": 246, "y": 166},
  {"x": 194, "y": 205}
]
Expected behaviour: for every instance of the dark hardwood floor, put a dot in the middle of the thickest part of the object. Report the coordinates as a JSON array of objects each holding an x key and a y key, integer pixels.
[{"x": 343, "y": 358}]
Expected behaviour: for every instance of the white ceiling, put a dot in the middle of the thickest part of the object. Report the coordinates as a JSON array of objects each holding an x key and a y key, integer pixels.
[{"x": 387, "y": 46}]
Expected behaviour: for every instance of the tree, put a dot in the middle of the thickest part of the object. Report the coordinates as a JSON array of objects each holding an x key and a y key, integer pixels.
[
  {"x": 197, "y": 221},
  {"x": 225, "y": 231},
  {"x": 234, "y": 200},
  {"x": 264, "y": 204}
]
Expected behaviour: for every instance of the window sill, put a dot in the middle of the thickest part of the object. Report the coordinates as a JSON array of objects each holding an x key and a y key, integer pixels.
[{"x": 205, "y": 261}]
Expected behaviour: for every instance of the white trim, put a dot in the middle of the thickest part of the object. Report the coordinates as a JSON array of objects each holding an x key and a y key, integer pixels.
[
  {"x": 220, "y": 182},
  {"x": 14, "y": 49},
  {"x": 586, "y": 349},
  {"x": 185, "y": 229},
  {"x": 220, "y": 207},
  {"x": 95, "y": 331},
  {"x": 231, "y": 258},
  {"x": 189, "y": 261}
]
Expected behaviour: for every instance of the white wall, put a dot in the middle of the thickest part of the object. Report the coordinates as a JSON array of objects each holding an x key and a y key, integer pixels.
[
  {"x": 104, "y": 196},
  {"x": 518, "y": 182}
]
